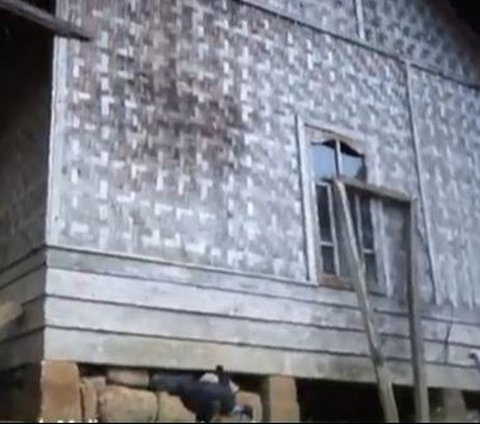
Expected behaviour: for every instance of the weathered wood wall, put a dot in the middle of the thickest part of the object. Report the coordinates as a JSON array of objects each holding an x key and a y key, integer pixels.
[
  {"x": 176, "y": 203},
  {"x": 146, "y": 313},
  {"x": 21, "y": 341},
  {"x": 25, "y": 103},
  {"x": 24, "y": 133}
]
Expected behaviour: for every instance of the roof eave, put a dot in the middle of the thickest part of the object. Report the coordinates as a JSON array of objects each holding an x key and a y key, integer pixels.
[{"x": 48, "y": 21}]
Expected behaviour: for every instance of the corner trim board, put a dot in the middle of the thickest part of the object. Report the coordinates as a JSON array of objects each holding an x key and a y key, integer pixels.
[{"x": 308, "y": 226}]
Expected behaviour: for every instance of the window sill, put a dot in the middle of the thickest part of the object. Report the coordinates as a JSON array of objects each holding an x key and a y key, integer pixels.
[{"x": 342, "y": 283}]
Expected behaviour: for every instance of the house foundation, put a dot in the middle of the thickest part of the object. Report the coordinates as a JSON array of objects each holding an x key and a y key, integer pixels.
[
  {"x": 58, "y": 390},
  {"x": 279, "y": 395}
]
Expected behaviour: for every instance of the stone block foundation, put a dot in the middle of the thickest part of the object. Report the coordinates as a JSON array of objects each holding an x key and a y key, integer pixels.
[
  {"x": 58, "y": 390},
  {"x": 279, "y": 396}
]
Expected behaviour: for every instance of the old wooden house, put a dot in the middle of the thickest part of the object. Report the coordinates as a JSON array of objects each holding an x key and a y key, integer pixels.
[{"x": 166, "y": 198}]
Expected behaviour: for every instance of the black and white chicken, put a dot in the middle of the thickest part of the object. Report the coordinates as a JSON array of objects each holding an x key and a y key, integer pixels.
[{"x": 206, "y": 399}]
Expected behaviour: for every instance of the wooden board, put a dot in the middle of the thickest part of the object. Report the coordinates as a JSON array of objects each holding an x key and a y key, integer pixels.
[
  {"x": 64, "y": 260},
  {"x": 189, "y": 299},
  {"x": 130, "y": 320},
  {"x": 26, "y": 288},
  {"x": 413, "y": 297},
  {"x": 22, "y": 350},
  {"x": 430, "y": 245},
  {"x": 356, "y": 267},
  {"x": 9, "y": 311},
  {"x": 422, "y": 409},
  {"x": 44, "y": 19},
  {"x": 138, "y": 269},
  {"x": 24, "y": 266},
  {"x": 307, "y": 207},
  {"x": 143, "y": 351},
  {"x": 169, "y": 296},
  {"x": 33, "y": 319}
]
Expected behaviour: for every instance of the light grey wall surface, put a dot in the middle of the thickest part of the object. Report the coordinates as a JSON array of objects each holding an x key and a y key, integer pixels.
[
  {"x": 449, "y": 128},
  {"x": 177, "y": 143},
  {"x": 180, "y": 140},
  {"x": 429, "y": 31},
  {"x": 335, "y": 15}
]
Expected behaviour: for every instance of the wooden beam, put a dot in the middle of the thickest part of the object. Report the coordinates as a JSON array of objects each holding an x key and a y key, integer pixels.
[
  {"x": 9, "y": 311},
  {"x": 308, "y": 216},
  {"x": 422, "y": 410},
  {"x": 421, "y": 183},
  {"x": 356, "y": 268},
  {"x": 413, "y": 297},
  {"x": 375, "y": 191},
  {"x": 34, "y": 14}
]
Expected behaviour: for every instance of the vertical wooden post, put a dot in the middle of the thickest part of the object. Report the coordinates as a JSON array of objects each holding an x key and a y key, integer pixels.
[
  {"x": 356, "y": 267},
  {"x": 422, "y": 412},
  {"x": 421, "y": 185}
]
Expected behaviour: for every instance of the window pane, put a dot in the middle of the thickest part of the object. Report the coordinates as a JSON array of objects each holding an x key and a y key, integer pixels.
[
  {"x": 324, "y": 213},
  {"x": 328, "y": 261},
  {"x": 370, "y": 268},
  {"x": 353, "y": 210},
  {"x": 343, "y": 265},
  {"x": 344, "y": 270},
  {"x": 352, "y": 163},
  {"x": 367, "y": 227},
  {"x": 323, "y": 157}
]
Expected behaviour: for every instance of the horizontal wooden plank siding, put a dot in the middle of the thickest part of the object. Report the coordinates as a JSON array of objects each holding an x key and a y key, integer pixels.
[
  {"x": 101, "y": 304},
  {"x": 138, "y": 268},
  {"x": 28, "y": 264},
  {"x": 119, "y": 349},
  {"x": 21, "y": 341},
  {"x": 26, "y": 349},
  {"x": 134, "y": 320},
  {"x": 31, "y": 321},
  {"x": 215, "y": 302},
  {"x": 157, "y": 305},
  {"x": 25, "y": 289}
]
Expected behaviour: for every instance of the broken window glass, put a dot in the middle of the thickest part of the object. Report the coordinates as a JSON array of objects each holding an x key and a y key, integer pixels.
[
  {"x": 323, "y": 156},
  {"x": 336, "y": 158},
  {"x": 352, "y": 164}
]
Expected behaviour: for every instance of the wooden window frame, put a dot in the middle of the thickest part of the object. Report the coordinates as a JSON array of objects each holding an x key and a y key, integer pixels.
[
  {"x": 413, "y": 295},
  {"x": 314, "y": 241}
]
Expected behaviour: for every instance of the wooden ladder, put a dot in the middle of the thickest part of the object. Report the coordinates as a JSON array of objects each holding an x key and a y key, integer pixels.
[{"x": 356, "y": 267}]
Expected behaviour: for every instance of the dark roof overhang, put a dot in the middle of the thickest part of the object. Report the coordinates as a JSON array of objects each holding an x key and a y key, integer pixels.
[
  {"x": 46, "y": 20},
  {"x": 469, "y": 12}
]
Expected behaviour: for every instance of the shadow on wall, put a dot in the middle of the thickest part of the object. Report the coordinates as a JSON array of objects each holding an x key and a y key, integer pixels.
[
  {"x": 25, "y": 87},
  {"x": 460, "y": 18}
]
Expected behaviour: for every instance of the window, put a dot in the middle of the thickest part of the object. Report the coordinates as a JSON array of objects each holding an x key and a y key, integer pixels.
[{"x": 332, "y": 157}]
